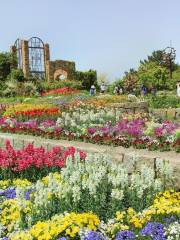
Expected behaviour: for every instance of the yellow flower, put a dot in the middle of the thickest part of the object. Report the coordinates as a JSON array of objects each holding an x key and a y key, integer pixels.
[{"x": 70, "y": 224}]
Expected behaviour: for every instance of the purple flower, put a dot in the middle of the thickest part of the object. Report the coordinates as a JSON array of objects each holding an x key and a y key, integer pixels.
[
  {"x": 105, "y": 130},
  {"x": 170, "y": 220},
  {"x": 29, "y": 124},
  {"x": 158, "y": 132},
  {"x": 125, "y": 235},
  {"x": 9, "y": 193},
  {"x": 48, "y": 123},
  {"x": 91, "y": 131},
  {"x": 93, "y": 235},
  {"x": 154, "y": 230},
  {"x": 62, "y": 238},
  {"x": 27, "y": 194}
]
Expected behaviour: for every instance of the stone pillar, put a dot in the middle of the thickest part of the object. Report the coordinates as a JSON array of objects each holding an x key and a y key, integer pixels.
[
  {"x": 46, "y": 60},
  {"x": 14, "y": 54},
  {"x": 49, "y": 71},
  {"x": 25, "y": 58},
  {"x": 46, "y": 53}
]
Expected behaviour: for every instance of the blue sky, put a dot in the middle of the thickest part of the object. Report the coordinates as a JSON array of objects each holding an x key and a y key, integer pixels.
[{"x": 108, "y": 35}]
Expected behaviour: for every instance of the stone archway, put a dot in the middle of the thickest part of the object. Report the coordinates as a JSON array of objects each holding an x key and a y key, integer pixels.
[{"x": 58, "y": 73}]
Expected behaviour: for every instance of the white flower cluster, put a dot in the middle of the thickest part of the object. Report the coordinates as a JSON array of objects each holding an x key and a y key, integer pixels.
[
  {"x": 84, "y": 116},
  {"x": 173, "y": 231},
  {"x": 99, "y": 171},
  {"x": 96, "y": 175}
]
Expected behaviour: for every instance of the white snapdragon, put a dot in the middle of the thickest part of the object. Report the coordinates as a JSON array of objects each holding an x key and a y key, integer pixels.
[
  {"x": 164, "y": 168},
  {"x": 117, "y": 194}
]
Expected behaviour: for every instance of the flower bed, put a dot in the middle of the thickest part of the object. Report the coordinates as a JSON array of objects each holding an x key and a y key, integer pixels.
[
  {"x": 29, "y": 111},
  {"x": 127, "y": 132},
  {"x": 62, "y": 91},
  {"x": 91, "y": 199},
  {"x": 32, "y": 162}
]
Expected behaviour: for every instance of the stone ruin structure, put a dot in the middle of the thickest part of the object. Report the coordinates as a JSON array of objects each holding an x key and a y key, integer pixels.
[{"x": 33, "y": 57}]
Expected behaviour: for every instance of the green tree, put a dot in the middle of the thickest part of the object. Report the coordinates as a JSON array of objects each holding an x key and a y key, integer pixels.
[
  {"x": 150, "y": 74},
  {"x": 158, "y": 58},
  {"x": 87, "y": 78},
  {"x": 7, "y": 62}
]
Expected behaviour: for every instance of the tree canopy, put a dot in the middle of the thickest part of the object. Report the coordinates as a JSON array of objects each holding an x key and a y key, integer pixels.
[{"x": 7, "y": 62}]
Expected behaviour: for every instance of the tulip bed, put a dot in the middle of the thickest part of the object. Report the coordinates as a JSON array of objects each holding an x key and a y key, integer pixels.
[
  {"x": 63, "y": 91},
  {"x": 68, "y": 194}
]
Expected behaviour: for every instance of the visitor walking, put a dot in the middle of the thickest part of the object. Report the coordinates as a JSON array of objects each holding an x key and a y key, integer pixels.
[
  {"x": 92, "y": 90},
  {"x": 143, "y": 91},
  {"x": 178, "y": 88},
  {"x": 118, "y": 90},
  {"x": 153, "y": 91},
  {"x": 102, "y": 88}
]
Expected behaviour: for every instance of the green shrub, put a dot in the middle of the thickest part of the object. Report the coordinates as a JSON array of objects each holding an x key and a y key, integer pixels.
[
  {"x": 166, "y": 101},
  {"x": 45, "y": 86},
  {"x": 87, "y": 78},
  {"x": 14, "y": 88},
  {"x": 30, "y": 89},
  {"x": 16, "y": 74},
  {"x": 11, "y": 88}
]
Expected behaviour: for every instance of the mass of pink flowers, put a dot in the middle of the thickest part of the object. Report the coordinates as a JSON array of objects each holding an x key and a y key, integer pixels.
[
  {"x": 124, "y": 133},
  {"x": 36, "y": 157}
]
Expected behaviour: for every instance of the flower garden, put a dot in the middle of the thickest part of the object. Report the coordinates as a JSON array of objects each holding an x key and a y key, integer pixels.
[
  {"x": 94, "y": 120},
  {"x": 66, "y": 193}
]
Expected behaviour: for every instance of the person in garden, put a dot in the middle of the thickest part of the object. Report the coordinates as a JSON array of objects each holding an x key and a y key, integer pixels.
[
  {"x": 178, "y": 88},
  {"x": 153, "y": 91},
  {"x": 117, "y": 90},
  {"x": 143, "y": 90},
  {"x": 102, "y": 88},
  {"x": 92, "y": 90}
]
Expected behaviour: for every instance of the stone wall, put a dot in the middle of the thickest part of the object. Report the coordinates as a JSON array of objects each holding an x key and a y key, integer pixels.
[
  {"x": 168, "y": 113},
  {"x": 129, "y": 107},
  {"x": 54, "y": 69}
]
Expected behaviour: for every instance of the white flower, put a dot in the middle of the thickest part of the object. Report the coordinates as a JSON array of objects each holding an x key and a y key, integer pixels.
[{"x": 117, "y": 194}]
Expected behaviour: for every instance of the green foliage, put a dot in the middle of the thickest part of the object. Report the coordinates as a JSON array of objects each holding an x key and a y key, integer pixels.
[
  {"x": 150, "y": 74},
  {"x": 16, "y": 74},
  {"x": 165, "y": 101},
  {"x": 14, "y": 88},
  {"x": 158, "y": 58},
  {"x": 45, "y": 86},
  {"x": 11, "y": 88},
  {"x": 7, "y": 61},
  {"x": 153, "y": 71},
  {"x": 87, "y": 78},
  {"x": 175, "y": 78},
  {"x": 29, "y": 89}
]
